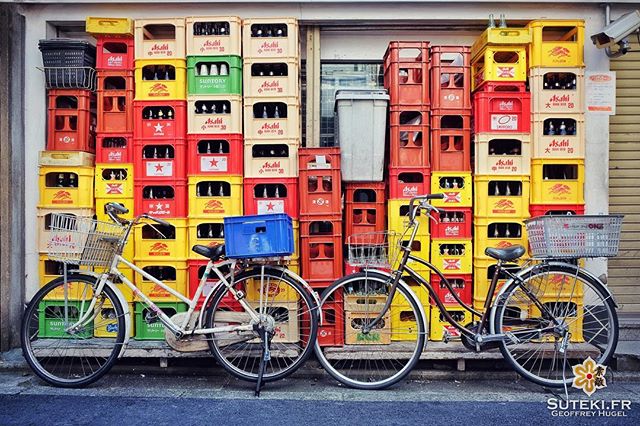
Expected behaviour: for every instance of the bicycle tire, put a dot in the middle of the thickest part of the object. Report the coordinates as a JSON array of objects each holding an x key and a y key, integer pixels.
[
  {"x": 586, "y": 316},
  {"x": 244, "y": 363},
  {"x": 351, "y": 371},
  {"x": 44, "y": 339}
]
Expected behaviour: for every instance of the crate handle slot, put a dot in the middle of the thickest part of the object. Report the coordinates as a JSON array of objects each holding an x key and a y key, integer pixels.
[{"x": 254, "y": 227}]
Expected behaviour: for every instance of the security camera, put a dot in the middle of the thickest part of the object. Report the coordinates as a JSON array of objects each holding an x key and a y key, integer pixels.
[{"x": 616, "y": 31}]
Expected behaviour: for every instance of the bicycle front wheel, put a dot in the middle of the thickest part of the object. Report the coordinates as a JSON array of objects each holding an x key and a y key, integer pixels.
[
  {"x": 374, "y": 359},
  {"x": 556, "y": 318},
  {"x": 66, "y": 341},
  {"x": 285, "y": 308}
]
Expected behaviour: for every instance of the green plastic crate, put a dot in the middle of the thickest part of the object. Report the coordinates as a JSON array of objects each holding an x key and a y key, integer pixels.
[
  {"x": 230, "y": 84},
  {"x": 155, "y": 331},
  {"x": 51, "y": 319}
]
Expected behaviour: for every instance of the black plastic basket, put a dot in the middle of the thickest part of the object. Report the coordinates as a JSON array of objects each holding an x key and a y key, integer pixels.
[{"x": 68, "y": 63}]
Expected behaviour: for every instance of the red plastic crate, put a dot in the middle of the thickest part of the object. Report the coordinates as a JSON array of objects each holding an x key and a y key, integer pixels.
[
  {"x": 502, "y": 111},
  {"x": 150, "y": 198},
  {"x": 560, "y": 209},
  {"x": 114, "y": 53},
  {"x": 215, "y": 155},
  {"x": 321, "y": 259},
  {"x": 320, "y": 183},
  {"x": 160, "y": 160},
  {"x": 450, "y": 77},
  {"x": 462, "y": 285},
  {"x": 331, "y": 329},
  {"x": 452, "y": 223},
  {"x": 406, "y": 73},
  {"x": 114, "y": 148},
  {"x": 260, "y": 196},
  {"x": 160, "y": 128},
  {"x": 71, "y": 120},
  {"x": 115, "y": 101},
  {"x": 451, "y": 141},
  {"x": 409, "y": 182},
  {"x": 364, "y": 207},
  {"x": 409, "y": 137},
  {"x": 196, "y": 270},
  {"x": 502, "y": 86}
]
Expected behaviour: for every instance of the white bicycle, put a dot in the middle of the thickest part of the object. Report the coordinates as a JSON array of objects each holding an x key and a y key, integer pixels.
[{"x": 60, "y": 333}]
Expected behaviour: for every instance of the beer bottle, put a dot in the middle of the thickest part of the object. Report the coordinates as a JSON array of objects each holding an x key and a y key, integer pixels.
[
  {"x": 277, "y": 113},
  {"x": 223, "y": 69},
  {"x": 264, "y": 112},
  {"x": 61, "y": 179},
  {"x": 214, "y": 69}
]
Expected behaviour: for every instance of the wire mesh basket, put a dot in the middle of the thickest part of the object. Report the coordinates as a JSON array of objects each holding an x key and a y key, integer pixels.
[
  {"x": 374, "y": 249},
  {"x": 84, "y": 241},
  {"x": 576, "y": 236},
  {"x": 70, "y": 78}
]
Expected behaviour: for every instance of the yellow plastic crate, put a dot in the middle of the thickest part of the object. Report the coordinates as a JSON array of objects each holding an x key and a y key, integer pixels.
[
  {"x": 114, "y": 181},
  {"x": 271, "y": 118},
  {"x": 446, "y": 255},
  {"x": 162, "y": 89},
  {"x": 499, "y": 64},
  {"x": 549, "y": 99},
  {"x": 106, "y": 324},
  {"x": 421, "y": 249},
  {"x": 66, "y": 158},
  {"x": 483, "y": 269},
  {"x": 500, "y": 233},
  {"x": 498, "y": 36},
  {"x": 556, "y": 43},
  {"x": 420, "y": 291},
  {"x": 255, "y": 45},
  {"x": 549, "y": 188},
  {"x": 200, "y": 44},
  {"x": 491, "y": 198},
  {"x": 273, "y": 291},
  {"x": 150, "y": 246},
  {"x": 271, "y": 158},
  {"x": 173, "y": 273},
  {"x": 294, "y": 266},
  {"x": 558, "y": 146},
  {"x": 206, "y": 232},
  {"x": 404, "y": 327},
  {"x": 160, "y": 38},
  {"x": 492, "y": 158},
  {"x": 215, "y": 196},
  {"x": 112, "y": 26},
  {"x": 44, "y": 223},
  {"x": 398, "y": 219},
  {"x": 218, "y": 123},
  {"x": 101, "y": 204},
  {"x": 270, "y": 78},
  {"x": 439, "y": 325},
  {"x": 381, "y": 335},
  {"x": 456, "y": 186},
  {"x": 66, "y": 186}
]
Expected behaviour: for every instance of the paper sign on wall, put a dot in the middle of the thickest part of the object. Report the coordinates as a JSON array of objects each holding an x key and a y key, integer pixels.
[{"x": 601, "y": 92}]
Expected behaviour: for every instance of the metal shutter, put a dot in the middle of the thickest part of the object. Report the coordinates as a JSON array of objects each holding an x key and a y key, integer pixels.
[{"x": 624, "y": 180}]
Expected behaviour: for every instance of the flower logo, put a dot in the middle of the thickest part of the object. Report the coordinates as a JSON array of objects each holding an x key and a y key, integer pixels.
[{"x": 589, "y": 376}]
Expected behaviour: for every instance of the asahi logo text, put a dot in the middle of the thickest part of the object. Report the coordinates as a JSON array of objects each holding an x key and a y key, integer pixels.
[
  {"x": 115, "y": 61},
  {"x": 160, "y": 47}
]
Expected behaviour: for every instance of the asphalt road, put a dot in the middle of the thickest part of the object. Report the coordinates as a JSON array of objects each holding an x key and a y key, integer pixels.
[{"x": 192, "y": 400}]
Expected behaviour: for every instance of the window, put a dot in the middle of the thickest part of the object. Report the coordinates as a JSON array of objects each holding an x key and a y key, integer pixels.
[{"x": 334, "y": 76}]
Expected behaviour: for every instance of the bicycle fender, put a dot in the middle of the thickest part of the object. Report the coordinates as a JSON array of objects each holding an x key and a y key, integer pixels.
[{"x": 411, "y": 294}]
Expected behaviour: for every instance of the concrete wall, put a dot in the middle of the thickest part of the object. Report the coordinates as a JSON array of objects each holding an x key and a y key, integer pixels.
[{"x": 369, "y": 44}]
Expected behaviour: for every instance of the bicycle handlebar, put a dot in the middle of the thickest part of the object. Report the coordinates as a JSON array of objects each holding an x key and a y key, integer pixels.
[
  {"x": 423, "y": 203},
  {"x": 115, "y": 209}
]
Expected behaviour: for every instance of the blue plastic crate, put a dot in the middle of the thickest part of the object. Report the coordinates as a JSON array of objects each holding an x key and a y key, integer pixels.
[{"x": 265, "y": 235}]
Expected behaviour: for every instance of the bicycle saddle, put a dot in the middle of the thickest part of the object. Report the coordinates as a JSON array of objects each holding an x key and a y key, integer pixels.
[
  {"x": 214, "y": 252},
  {"x": 508, "y": 253}
]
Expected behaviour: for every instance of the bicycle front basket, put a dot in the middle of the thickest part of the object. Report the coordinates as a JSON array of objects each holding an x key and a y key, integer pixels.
[
  {"x": 84, "y": 240},
  {"x": 572, "y": 237}
]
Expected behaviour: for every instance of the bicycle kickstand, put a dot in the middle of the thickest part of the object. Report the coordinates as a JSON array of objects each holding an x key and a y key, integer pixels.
[{"x": 266, "y": 356}]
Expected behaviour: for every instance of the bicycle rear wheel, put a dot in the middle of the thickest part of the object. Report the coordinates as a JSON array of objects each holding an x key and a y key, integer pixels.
[
  {"x": 558, "y": 316},
  {"x": 63, "y": 352},
  {"x": 385, "y": 355},
  {"x": 284, "y": 304}
]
